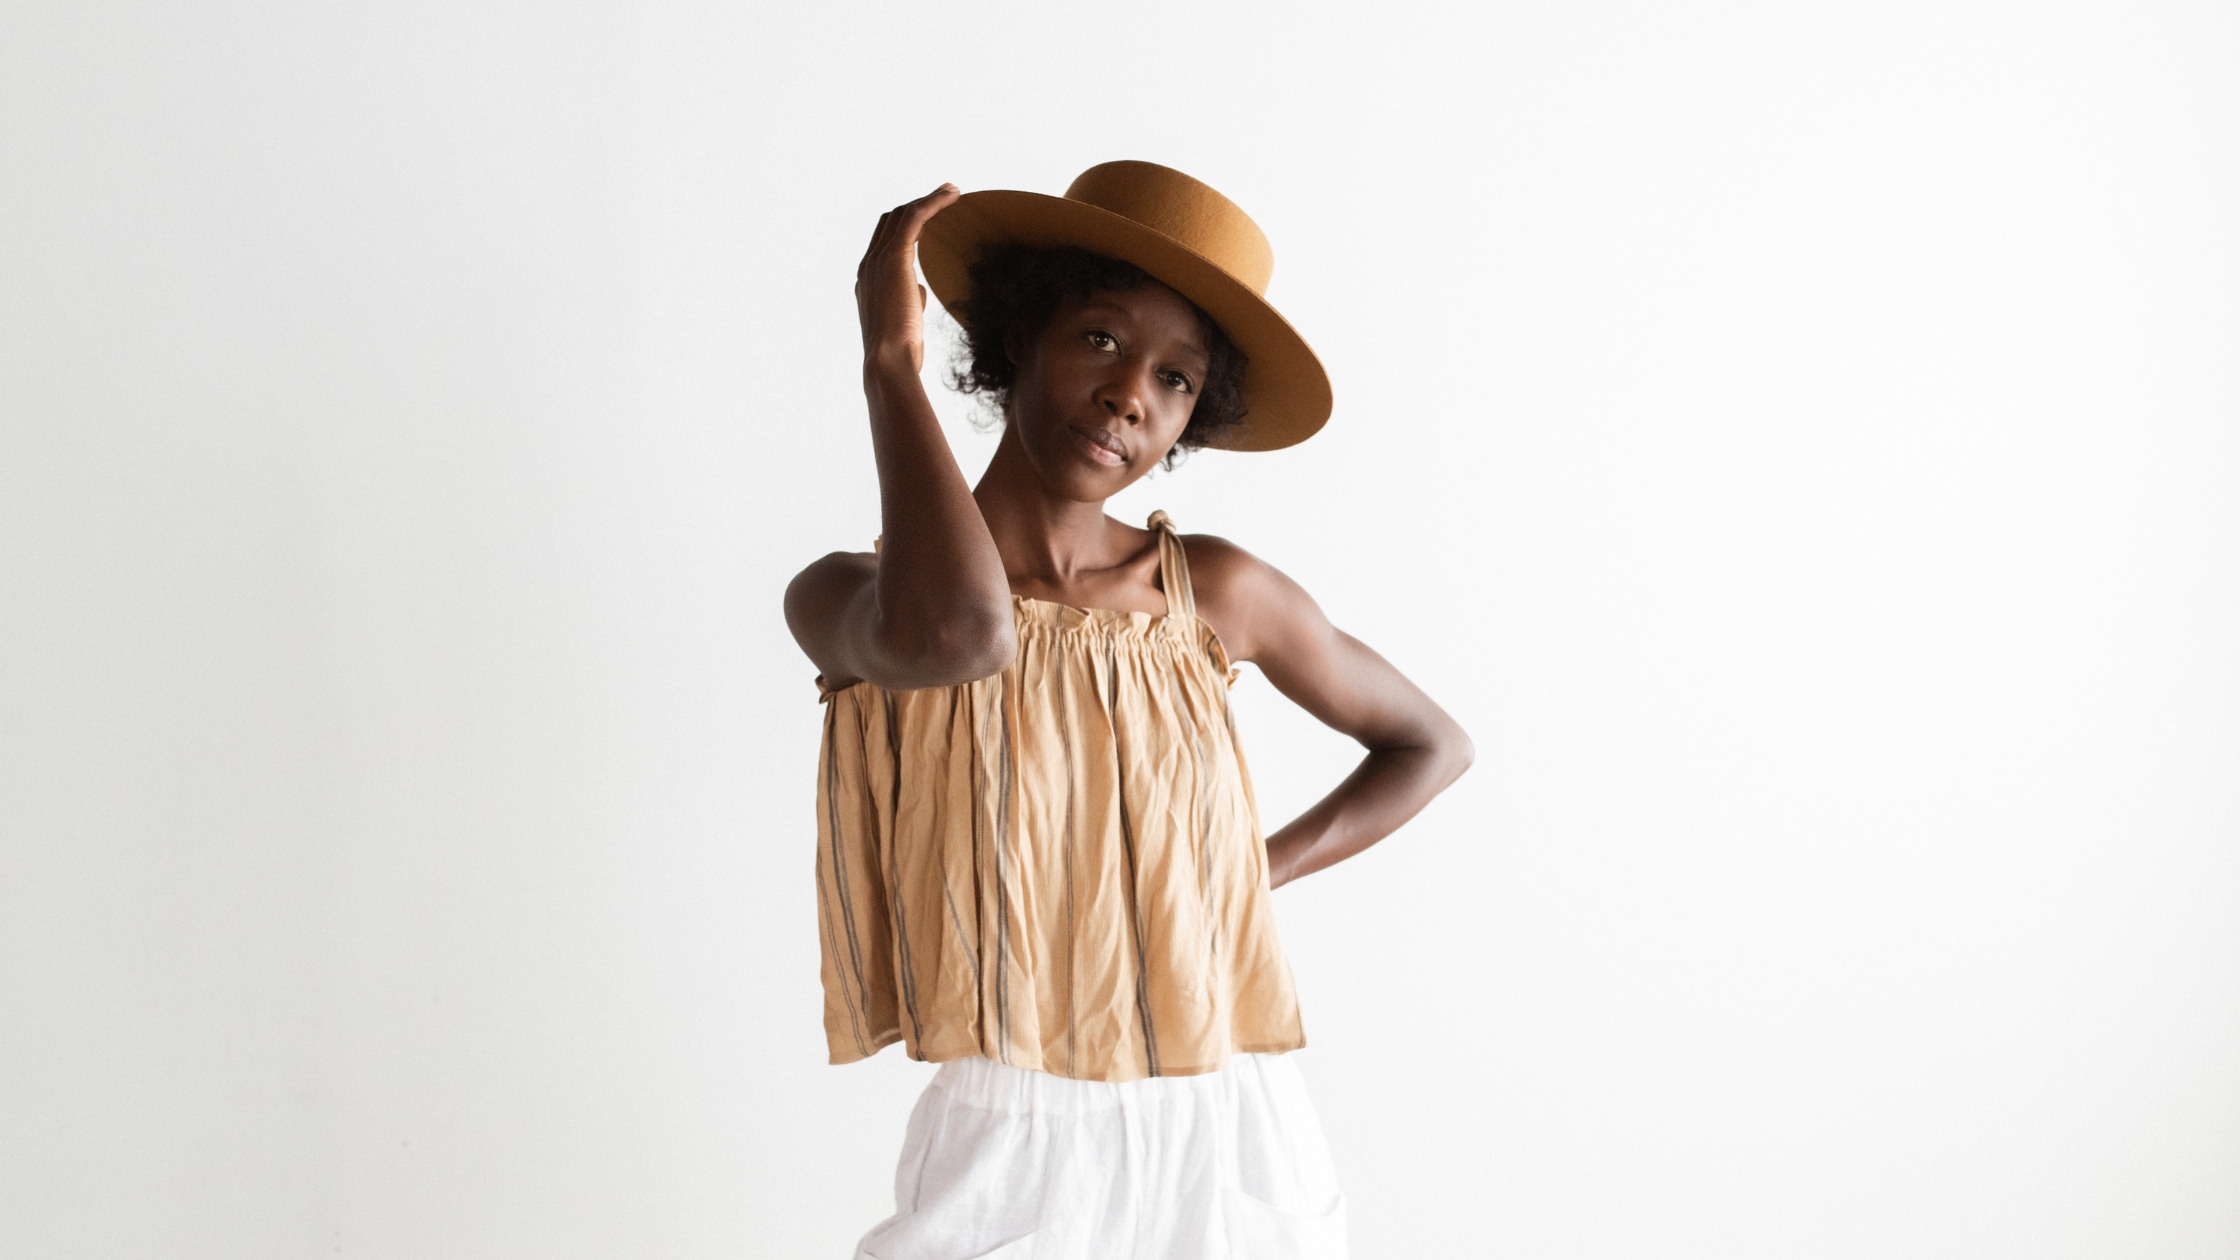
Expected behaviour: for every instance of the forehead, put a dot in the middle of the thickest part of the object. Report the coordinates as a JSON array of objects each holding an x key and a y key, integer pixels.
[{"x": 1151, "y": 308}]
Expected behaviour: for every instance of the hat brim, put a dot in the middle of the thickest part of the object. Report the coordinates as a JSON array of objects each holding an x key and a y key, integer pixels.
[{"x": 1286, "y": 391}]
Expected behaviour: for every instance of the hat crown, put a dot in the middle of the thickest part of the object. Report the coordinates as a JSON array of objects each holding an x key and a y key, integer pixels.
[{"x": 1183, "y": 210}]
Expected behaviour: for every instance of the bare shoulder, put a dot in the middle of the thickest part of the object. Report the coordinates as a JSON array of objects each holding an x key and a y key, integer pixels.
[
  {"x": 1246, "y": 600},
  {"x": 1220, "y": 568}
]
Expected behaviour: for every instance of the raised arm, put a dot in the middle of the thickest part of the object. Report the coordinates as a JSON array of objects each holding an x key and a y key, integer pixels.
[
  {"x": 934, "y": 608},
  {"x": 1415, "y": 749}
]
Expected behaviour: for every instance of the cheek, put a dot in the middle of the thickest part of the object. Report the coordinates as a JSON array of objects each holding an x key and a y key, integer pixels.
[
  {"x": 1173, "y": 420},
  {"x": 1030, "y": 394}
]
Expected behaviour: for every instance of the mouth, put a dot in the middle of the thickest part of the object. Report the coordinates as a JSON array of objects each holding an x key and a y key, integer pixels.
[{"x": 1099, "y": 444}]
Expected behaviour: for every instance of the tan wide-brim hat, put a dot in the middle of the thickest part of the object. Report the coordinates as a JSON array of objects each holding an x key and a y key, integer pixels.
[{"x": 1188, "y": 237}]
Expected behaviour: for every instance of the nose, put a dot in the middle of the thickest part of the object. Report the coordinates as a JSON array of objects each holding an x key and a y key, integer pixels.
[{"x": 1123, "y": 394}]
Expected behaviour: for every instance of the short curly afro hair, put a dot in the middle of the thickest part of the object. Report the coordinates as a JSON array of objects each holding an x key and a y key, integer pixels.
[{"x": 1019, "y": 286}]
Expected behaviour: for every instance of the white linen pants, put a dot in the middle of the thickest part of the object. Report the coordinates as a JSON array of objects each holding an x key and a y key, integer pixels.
[{"x": 1001, "y": 1163}]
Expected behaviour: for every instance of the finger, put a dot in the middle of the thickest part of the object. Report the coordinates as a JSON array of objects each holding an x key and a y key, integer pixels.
[
  {"x": 898, "y": 228},
  {"x": 925, "y": 208},
  {"x": 892, "y": 222},
  {"x": 878, "y": 236}
]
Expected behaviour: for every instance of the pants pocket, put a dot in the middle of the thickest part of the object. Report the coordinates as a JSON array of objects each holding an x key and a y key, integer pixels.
[{"x": 1263, "y": 1231}]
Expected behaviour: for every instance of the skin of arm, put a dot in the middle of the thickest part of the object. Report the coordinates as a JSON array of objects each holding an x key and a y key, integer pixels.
[
  {"x": 934, "y": 609},
  {"x": 1415, "y": 750}
]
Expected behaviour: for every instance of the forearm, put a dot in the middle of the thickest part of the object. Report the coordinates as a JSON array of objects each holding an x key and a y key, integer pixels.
[
  {"x": 1389, "y": 787},
  {"x": 941, "y": 591}
]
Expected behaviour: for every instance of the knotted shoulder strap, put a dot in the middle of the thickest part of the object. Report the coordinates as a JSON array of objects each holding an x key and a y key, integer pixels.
[{"x": 1174, "y": 567}]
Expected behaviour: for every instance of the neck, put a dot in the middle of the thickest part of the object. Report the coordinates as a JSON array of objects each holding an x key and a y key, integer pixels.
[{"x": 1040, "y": 535}]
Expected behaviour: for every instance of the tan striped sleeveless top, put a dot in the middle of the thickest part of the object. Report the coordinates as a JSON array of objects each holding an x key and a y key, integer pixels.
[{"x": 1058, "y": 867}]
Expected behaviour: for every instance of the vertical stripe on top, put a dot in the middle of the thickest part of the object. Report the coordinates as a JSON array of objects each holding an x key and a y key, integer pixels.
[{"x": 1128, "y": 845}]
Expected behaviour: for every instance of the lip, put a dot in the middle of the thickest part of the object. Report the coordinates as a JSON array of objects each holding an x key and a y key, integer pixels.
[{"x": 1099, "y": 444}]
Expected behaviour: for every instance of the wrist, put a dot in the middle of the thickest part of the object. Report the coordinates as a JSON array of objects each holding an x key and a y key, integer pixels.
[{"x": 885, "y": 368}]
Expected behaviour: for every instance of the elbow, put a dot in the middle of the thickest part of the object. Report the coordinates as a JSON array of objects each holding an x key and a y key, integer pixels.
[
  {"x": 956, "y": 650},
  {"x": 1456, "y": 752},
  {"x": 981, "y": 649}
]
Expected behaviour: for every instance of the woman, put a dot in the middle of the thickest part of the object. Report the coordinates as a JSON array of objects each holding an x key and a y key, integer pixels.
[{"x": 1039, "y": 862}]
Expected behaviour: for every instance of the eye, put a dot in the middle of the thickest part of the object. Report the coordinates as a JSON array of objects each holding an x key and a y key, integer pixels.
[
  {"x": 1101, "y": 339},
  {"x": 1178, "y": 382}
]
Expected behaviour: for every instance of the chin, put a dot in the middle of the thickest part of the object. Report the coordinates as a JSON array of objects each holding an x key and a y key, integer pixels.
[
  {"x": 1087, "y": 487},
  {"x": 1080, "y": 481}
]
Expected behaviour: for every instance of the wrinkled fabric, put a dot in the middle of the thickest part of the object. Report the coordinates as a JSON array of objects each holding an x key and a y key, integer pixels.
[
  {"x": 1005, "y": 1164},
  {"x": 1058, "y": 867}
]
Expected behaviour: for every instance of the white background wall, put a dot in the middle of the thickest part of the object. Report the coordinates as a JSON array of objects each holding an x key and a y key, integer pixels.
[{"x": 1801, "y": 443}]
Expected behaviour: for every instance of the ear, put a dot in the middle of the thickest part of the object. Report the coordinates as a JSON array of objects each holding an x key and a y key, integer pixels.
[{"x": 1015, "y": 343}]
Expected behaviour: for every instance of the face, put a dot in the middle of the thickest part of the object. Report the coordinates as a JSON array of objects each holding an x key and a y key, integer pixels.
[{"x": 1105, "y": 388}]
